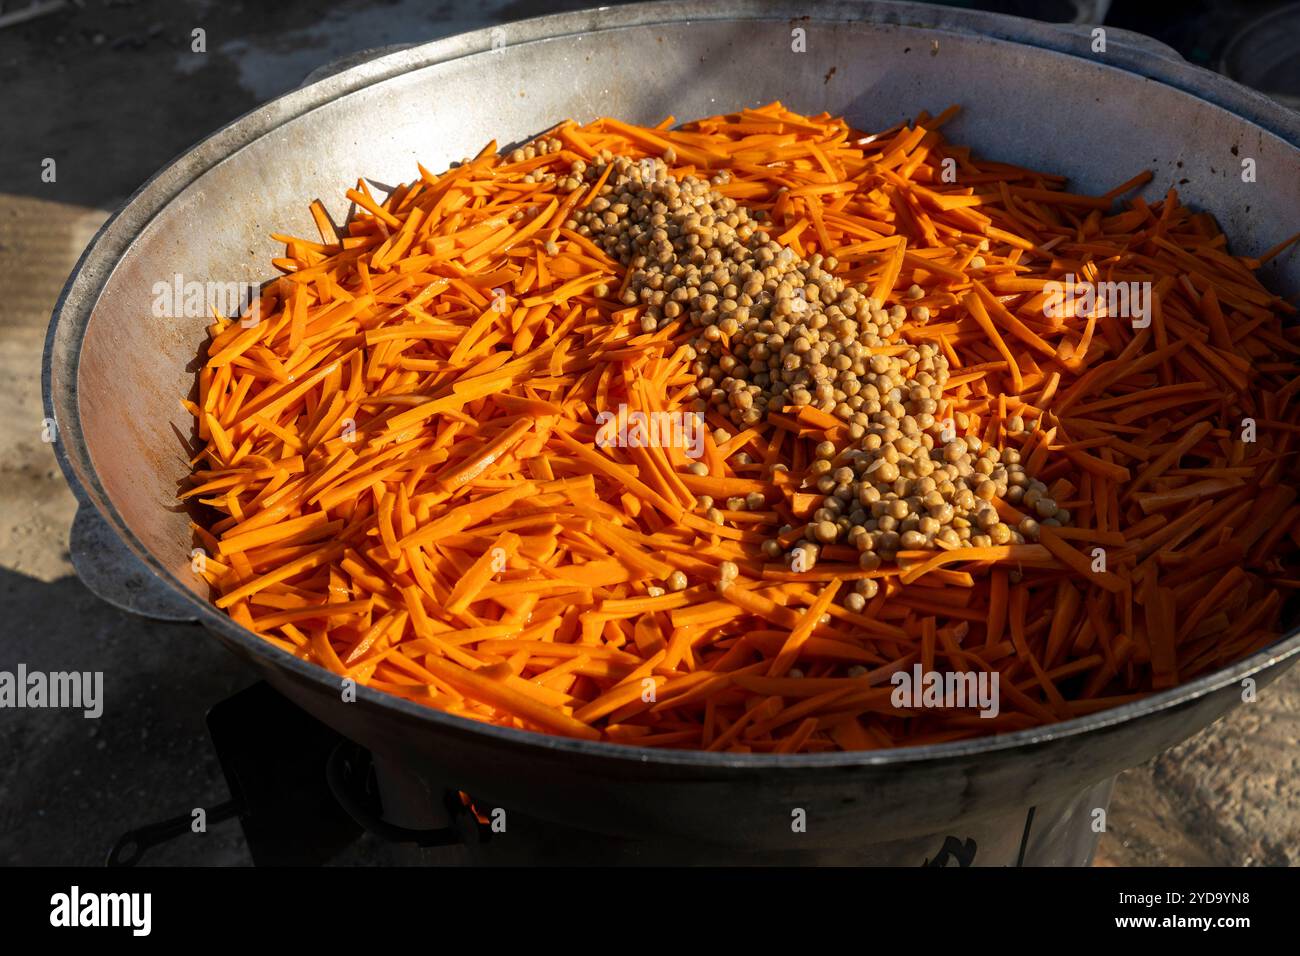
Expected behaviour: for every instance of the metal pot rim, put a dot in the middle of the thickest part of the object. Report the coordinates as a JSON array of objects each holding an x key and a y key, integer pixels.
[{"x": 76, "y": 303}]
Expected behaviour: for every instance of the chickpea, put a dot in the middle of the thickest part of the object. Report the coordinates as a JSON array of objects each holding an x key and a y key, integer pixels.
[
  {"x": 771, "y": 330},
  {"x": 912, "y": 540}
]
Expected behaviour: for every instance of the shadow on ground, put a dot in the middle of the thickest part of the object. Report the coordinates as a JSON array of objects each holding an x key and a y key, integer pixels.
[{"x": 70, "y": 786}]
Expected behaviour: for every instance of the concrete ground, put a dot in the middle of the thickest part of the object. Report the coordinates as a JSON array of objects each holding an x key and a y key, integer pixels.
[{"x": 112, "y": 91}]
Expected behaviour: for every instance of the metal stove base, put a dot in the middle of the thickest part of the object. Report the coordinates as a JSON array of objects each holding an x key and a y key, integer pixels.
[{"x": 303, "y": 794}]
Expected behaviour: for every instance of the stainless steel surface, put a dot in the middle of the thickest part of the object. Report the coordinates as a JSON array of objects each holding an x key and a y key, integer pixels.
[
  {"x": 114, "y": 574},
  {"x": 113, "y": 372}
]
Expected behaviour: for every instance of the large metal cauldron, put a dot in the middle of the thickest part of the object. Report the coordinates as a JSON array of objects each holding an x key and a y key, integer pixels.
[{"x": 1035, "y": 94}]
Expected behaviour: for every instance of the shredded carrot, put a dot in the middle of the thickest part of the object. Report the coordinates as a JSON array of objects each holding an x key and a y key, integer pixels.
[{"x": 401, "y": 471}]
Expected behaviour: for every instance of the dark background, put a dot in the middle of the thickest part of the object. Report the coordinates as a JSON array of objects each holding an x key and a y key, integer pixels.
[{"x": 111, "y": 89}]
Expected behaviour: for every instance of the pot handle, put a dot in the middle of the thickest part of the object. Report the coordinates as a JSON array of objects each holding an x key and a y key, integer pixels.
[
  {"x": 330, "y": 67},
  {"x": 112, "y": 572}
]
